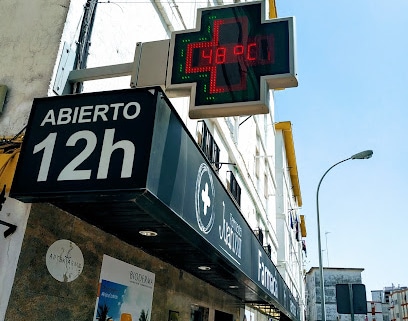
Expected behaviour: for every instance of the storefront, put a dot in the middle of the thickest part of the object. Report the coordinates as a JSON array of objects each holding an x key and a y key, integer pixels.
[{"x": 117, "y": 176}]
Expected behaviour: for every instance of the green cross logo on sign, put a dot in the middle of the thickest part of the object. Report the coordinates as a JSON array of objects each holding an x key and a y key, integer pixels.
[{"x": 231, "y": 60}]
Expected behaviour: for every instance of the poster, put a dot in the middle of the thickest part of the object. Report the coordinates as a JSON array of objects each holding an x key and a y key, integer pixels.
[
  {"x": 249, "y": 316},
  {"x": 125, "y": 292}
]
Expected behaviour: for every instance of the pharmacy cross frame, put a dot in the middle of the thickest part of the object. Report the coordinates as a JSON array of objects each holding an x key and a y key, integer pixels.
[{"x": 230, "y": 57}]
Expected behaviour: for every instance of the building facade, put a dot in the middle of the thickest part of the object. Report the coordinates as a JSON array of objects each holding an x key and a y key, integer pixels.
[
  {"x": 332, "y": 277},
  {"x": 375, "y": 311},
  {"x": 388, "y": 304},
  {"x": 71, "y": 253},
  {"x": 378, "y": 308},
  {"x": 398, "y": 305}
]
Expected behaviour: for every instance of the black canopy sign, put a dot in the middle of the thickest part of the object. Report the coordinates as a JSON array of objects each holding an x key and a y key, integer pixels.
[{"x": 122, "y": 159}]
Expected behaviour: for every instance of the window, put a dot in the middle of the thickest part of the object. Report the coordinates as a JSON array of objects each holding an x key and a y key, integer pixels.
[
  {"x": 208, "y": 145},
  {"x": 199, "y": 313},
  {"x": 222, "y": 316},
  {"x": 268, "y": 250},
  {"x": 234, "y": 187},
  {"x": 266, "y": 185},
  {"x": 259, "y": 235},
  {"x": 257, "y": 163}
]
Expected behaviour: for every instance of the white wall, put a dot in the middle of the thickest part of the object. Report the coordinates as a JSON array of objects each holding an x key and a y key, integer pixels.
[
  {"x": 16, "y": 213},
  {"x": 29, "y": 43},
  {"x": 290, "y": 256},
  {"x": 332, "y": 276}
]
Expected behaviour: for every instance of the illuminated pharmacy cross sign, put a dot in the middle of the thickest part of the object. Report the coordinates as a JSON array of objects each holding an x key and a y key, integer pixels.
[{"x": 230, "y": 53}]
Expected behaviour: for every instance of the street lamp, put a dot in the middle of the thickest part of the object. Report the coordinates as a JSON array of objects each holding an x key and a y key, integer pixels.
[
  {"x": 362, "y": 155},
  {"x": 327, "y": 249}
]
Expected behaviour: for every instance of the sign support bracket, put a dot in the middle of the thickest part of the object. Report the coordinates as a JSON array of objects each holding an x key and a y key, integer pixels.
[
  {"x": 96, "y": 73},
  {"x": 148, "y": 68}
]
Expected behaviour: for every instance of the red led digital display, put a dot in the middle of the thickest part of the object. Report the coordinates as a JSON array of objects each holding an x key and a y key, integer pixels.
[{"x": 212, "y": 55}]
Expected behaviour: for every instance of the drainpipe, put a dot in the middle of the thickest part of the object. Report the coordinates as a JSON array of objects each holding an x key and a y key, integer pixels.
[
  {"x": 164, "y": 17},
  {"x": 84, "y": 40}
]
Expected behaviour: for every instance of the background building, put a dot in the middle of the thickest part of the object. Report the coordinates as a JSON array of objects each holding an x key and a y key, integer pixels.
[
  {"x": 332, "y": 277},
  {"x": 252, "y": 157},
  {"x": 375, "y": 311},
  {"x": 388, "y": 304},
  {"x": 398, "y": 305}
]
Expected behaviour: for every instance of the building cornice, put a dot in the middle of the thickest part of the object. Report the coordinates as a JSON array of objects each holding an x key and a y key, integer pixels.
[{"x": 286, "y": 128}]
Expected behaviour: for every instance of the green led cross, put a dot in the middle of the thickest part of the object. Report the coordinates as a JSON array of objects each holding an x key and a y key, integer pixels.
[{"x": 230, "y": 53}]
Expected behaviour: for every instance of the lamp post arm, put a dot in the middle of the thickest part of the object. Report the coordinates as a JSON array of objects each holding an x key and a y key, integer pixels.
[
  {"x": 320, "y": 182},
  {"x": 323, "y": 300}
]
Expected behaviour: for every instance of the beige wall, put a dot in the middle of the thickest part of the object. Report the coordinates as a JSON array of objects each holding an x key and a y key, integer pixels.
[
  {"x": 36, "y": 295},
  {"x": 29, "y": 41}
]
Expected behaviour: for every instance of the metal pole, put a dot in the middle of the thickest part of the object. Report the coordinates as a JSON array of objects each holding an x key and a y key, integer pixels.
[
  {"x": 362, "y": 155},
  {"x": 323, "y": 299},
  {"x": 327, "y": 250},
  {"x": 350, "y": 286}
]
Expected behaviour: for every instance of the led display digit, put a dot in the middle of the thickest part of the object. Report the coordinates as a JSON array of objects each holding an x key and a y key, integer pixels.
[{"x": 230, "y": 53}]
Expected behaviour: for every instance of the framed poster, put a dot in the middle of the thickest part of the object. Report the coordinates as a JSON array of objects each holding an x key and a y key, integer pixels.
[{"x": 125, "y": 292}]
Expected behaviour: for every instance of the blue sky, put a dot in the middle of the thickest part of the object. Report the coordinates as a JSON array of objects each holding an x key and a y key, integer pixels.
[{"x": 352, "y": 70}]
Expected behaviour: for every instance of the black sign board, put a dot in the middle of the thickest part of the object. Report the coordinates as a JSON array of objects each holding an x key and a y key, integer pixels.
[
  {"x": 351, "y": 298},
  {"x": 78, "y": 144}
]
